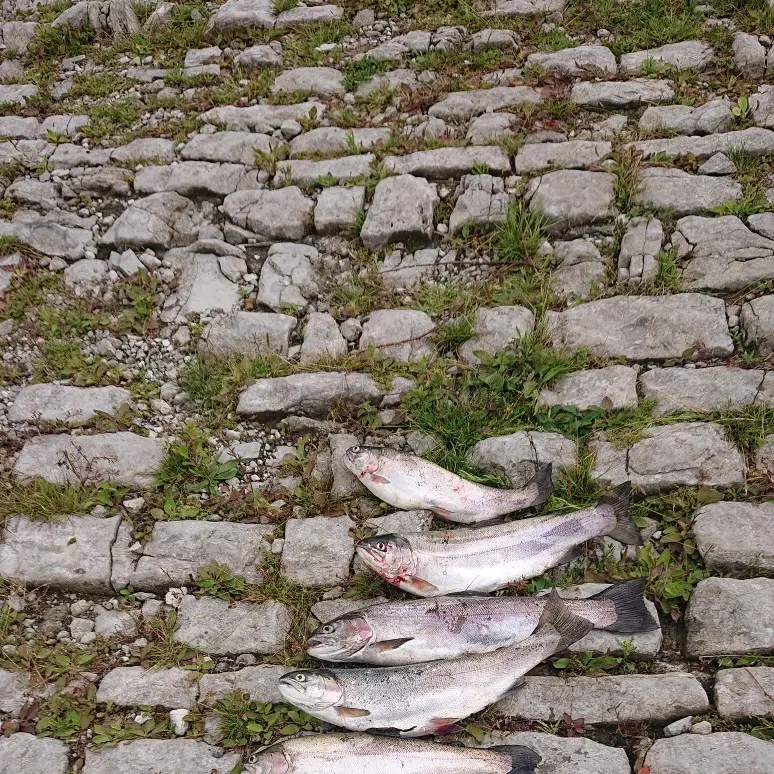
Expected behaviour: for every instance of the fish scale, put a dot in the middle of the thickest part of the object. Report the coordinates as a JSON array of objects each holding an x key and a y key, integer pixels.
[
  {"x": 417, "y": 630},
  {"x": 423, "y": 698},
  {"x": 362, "y": 754},
  {"x": 489, "y": 558},
  {"x": 408, "y": 482}
]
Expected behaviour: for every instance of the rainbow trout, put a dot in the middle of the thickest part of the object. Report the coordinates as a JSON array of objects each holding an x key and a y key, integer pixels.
[
  {"x": 363, "y": 754},
  {"x": 431, "y": 564},
  {"x": 412, "y": 483},
  {"x": 431, "y": 697},
  {"x": 416, "y": 630}
]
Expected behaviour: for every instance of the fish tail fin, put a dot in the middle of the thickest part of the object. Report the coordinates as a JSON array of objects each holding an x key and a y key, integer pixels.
[
  {"x": 523, "y": 760},
  {"x": 544, "y": 484},
  {"x": 631, "y": 615},
  {"x": 624, "y": 530},
  {"x": 571, "y": 627}
]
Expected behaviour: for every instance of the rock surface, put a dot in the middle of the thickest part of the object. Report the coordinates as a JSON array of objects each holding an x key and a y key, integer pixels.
[
  {"x": 242, "y": 627},
  {"x": 719, "y": 753},
  {"x": 644, "y": 328},
  {"x": 518, "y": 456},
  {"x": 669, "y": 456},
  {"x": 730, "y": 617},
  {"x": 317, "y": 551},
  {"x": 608, "y": 699}
]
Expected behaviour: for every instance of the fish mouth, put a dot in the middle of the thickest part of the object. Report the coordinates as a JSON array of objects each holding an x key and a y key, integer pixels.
[
  {"x": 319, "y": 647},
  {"x": 367, "y": 554}
]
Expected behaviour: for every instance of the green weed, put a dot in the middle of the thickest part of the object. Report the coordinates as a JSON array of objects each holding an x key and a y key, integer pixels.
[
  {"x": 66, "y": 716},
  {"x": 627, "y": 183},
  {"x": 47, "y": 502},
  {"x": 362, "y": 70},
  {"x": 589, "y": 664},
  {"x": 244, "y": 722},
  {"x": 190, "y": 466}
]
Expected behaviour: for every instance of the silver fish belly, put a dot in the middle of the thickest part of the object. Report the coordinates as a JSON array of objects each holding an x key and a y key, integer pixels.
[
  {"x": 412, "y": 483},
  {"x": 364, "y": 754},
  {"x": 412, "y": 631},
  {"x": 489, "y": 558}
]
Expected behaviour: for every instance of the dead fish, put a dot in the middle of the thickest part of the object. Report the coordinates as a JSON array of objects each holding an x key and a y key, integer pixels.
[
  {"x": 431, "y": 697},
  {"x": 416, "y": 630},
  {"x": 412, "y": 483},
  {"x": 362, "y": 754},
  {"x": 430, "y": 564}
]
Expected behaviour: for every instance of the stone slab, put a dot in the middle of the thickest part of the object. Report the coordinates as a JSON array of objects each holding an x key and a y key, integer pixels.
[
  {"x": 318, "y": 551},
  {"x": 172, "y": 688},
  {"x": 121, "y": 458},
  {"x": 567, "y": 756},
  {"x": 728, "y": 617},
  {"x": 26, "y": 754},
  {"x": 73, "y": 554},
  {"x": 701, "y": 389},
  {"x": 745, "y": 693},
  {"x": 160, "y": 756},
  {"x": 730, "y": 752},
  {"x": 609, "y": 699},
  {"x": 178, "y": 549},
  {"x": 224, "y": 629},
  {"x": 670, "y": 456},
  {"x": 735, "y": 536},
  {"x": 258, "y": 682},
  {"x": 70, "y": 405},
  {"x": 644, "y": 327}
]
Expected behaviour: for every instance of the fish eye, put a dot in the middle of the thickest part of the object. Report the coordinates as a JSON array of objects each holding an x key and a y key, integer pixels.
[
  {"x": 381, "y": 546},
  {"x": 300, "y": 678},
  {"x": 253, "y": 758},
  {"x": 327, "y": 629},
  {"x": 356, "y": 449}
]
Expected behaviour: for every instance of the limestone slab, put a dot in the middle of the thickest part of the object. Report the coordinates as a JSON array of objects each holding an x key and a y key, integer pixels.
[
  {"x": 160, "y": 756},
  {"x": 70, "y": 405},
  {"x": 584, "y": 389},
  {"x": 745, "y": 693},
  {"x": 701, "y": 389},
  {"x": 669, "y": 456},
  {"x": 318, "y": 551},
  {"x": 310, "y": 394},
  {"x": 135, "y": 686},
  {"x": 517, "y": 456},
  {"x": 644, "y": 328},
  {"x": 730, "y": 752},
  {"x": 225, "y": 629},
  {"x": 177, "y": 551},
  {"x": 73, "y": 554},
  {"x": 609, "y": 699},
  {"x": 728, "y": 617}
]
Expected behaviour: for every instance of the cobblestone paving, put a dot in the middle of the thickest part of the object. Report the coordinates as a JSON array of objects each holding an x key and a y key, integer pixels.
[{"x": 237, "y": 239}]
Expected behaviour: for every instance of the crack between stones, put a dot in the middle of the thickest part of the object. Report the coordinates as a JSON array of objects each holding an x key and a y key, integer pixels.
[
  {"x": 759, "y": 388},
  {"x": 110, "y": 552}
]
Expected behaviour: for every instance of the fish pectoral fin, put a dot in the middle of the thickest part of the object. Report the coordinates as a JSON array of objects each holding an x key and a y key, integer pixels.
[
  {"x": 386, "y": 645},
  {"x": 377, "y": 479},
  {"x": 444, "y": 513},
  {"x": 576, "y": 552},
  {"x": 517, "y": 685},
  {"x": 390, "y": 731},
  {"x": 352, "y": 712},
  {"x": 443, "y": 726},
  {"x": 421, "y": 585}
]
